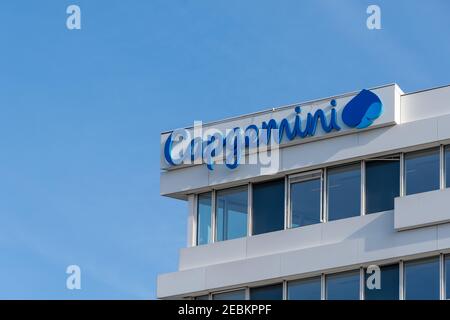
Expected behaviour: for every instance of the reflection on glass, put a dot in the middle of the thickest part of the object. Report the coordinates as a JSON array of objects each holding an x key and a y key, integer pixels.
[
  {"x": 343, "y": 286},
  {"x": 389, "y": 284},
  {"x": 231, "y": 216},
  {"x": 422, "y": 279},
  {"x": 305, "y": 289},
  {"x": 344, "y": 192},
  {"x": 422, "y": 171},
  {"x": 382, "y": 184},
  {"x": 204, "y": 218},
  {"x": 272, "y": 292},
  {"x": 268, "y": 206},
  {"x": 305, "y": 200},
  {"x": 230, "y": 295}
]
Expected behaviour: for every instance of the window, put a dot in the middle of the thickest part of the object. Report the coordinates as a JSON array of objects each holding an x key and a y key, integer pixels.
[
  {"x": 230, "y": 295},
  {"x": 344, "y": 192},
  {"x": 343, "y": 286},
  {"x": 389, "y": 284},
  {"x": 231, "y": 213},
  {"x": 272, "y": 292},
  {"x": 382, "y": 184},
  {"x": 422, "y": 171},
  {"x": 447, "y": 276},
  {"x": 268, "y": 206},
  {"x": 204, "y": 218},
  {"x": 422, "y": 279},
  {"x": 305, "y": 289},
  {"x": 204, "y": 297},
  {"x": 447, "y": 166},
  {"x": 305, "y": 199}
]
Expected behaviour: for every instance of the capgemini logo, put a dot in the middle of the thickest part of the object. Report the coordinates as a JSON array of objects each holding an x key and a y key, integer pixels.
[{"x": 362, "y": 110}]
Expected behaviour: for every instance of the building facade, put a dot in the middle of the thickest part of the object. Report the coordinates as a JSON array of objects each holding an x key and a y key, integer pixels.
[{"x": 314, "y": 200}]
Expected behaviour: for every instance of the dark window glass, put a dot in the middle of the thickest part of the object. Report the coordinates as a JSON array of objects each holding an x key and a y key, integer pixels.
[
  {"x": 422, "y": 279},
  {"x": 305, "y": 201},
  {"x": 272, "y": 292},
  {"x": 204, "y": 218},
  {"x": 268, "y": 206},
  {"x": 231, "y": 213},
  {"x": 343, "y": 286},
  {"x": 344, "y": 192},
  {"x": 447, "y": 166},
  {"x": 230, "y": 295},
  {"x": 204, "y": 297},
  {"x": 422, "y": 171},
  {"x": 389, "y": 284},
  {"x": 305, "y": 289},
  {"x": 382, "y": 184}
]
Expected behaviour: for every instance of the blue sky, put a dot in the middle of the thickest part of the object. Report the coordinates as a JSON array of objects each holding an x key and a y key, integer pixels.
[{"x": 81, "y": 112}]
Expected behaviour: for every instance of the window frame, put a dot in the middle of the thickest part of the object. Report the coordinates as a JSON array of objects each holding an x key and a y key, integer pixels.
[
  {"x": 398, "y": 263},
  {"x": 285, "y": 204},
  {"x": 418, "y": 260},
  {"x": 356, "y": 271},
  {"x": 439, "y": 150},
  {"x": 391, "y": 157},
  {"x": 302, "y": 177},
  {"x": 313, "y": 278},
  {"x": 272, "y": 284},
  {"x": 361, "y": 189},
  {"x": 214, "y": 212},
  {"x": 196, "y": 228},
  {"x": 244, "y": 289}
]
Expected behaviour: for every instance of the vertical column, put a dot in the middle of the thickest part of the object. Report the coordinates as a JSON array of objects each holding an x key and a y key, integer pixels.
[
  {"x": 442, "y": 277},
  {"x": 363, "y": 189},
  {"x": 213, "y": 216},
  {"x": 362, "y": 283},
  {"x": 442, "y": 167},
  {"x": 250, "y": 210},
  {"x": 323, "y": 295},
  {"x": 192, "y": 220},
  {"x": 325, "y": 196},
  {"x": 287, "y": 215},
  {"x": 402, "y": 280},
  {"x": 402, "y": 174}
]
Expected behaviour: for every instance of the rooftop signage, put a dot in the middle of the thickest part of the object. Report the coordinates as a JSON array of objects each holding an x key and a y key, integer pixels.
[{"x": 228, "y": 143}]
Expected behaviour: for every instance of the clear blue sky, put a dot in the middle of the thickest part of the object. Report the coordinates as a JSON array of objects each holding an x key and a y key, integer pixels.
[{"x": 81, "y": 113}]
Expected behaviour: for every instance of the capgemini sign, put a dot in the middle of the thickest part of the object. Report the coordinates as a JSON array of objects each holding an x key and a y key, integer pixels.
[{"x": 181, "y": 148}]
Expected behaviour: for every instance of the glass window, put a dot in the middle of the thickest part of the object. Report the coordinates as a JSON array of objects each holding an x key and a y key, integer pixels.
[
  {"x": 447, "y": 166},
  {"x": 422, "y": 171},
  {"x": 305, "y": 200},
  {"x": 422, "y": 279},
  {"x": 272, "y": 292},
  {"x": 305, "y": 289},
  {"x": 343, "y": 286},
  {"x": 447, "y": 276},
  {"x": 230, "y": 295},
  {"x": 204, "y": 297},
  {"x": 389, "y": 284},
  {"x": 268, "y": 207},
  {"x": 344, "y": 192},
  {"x": 382, "y": 184},
  {"x": 204, "y": 218},
  {"x": 231, "y": 213}
]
